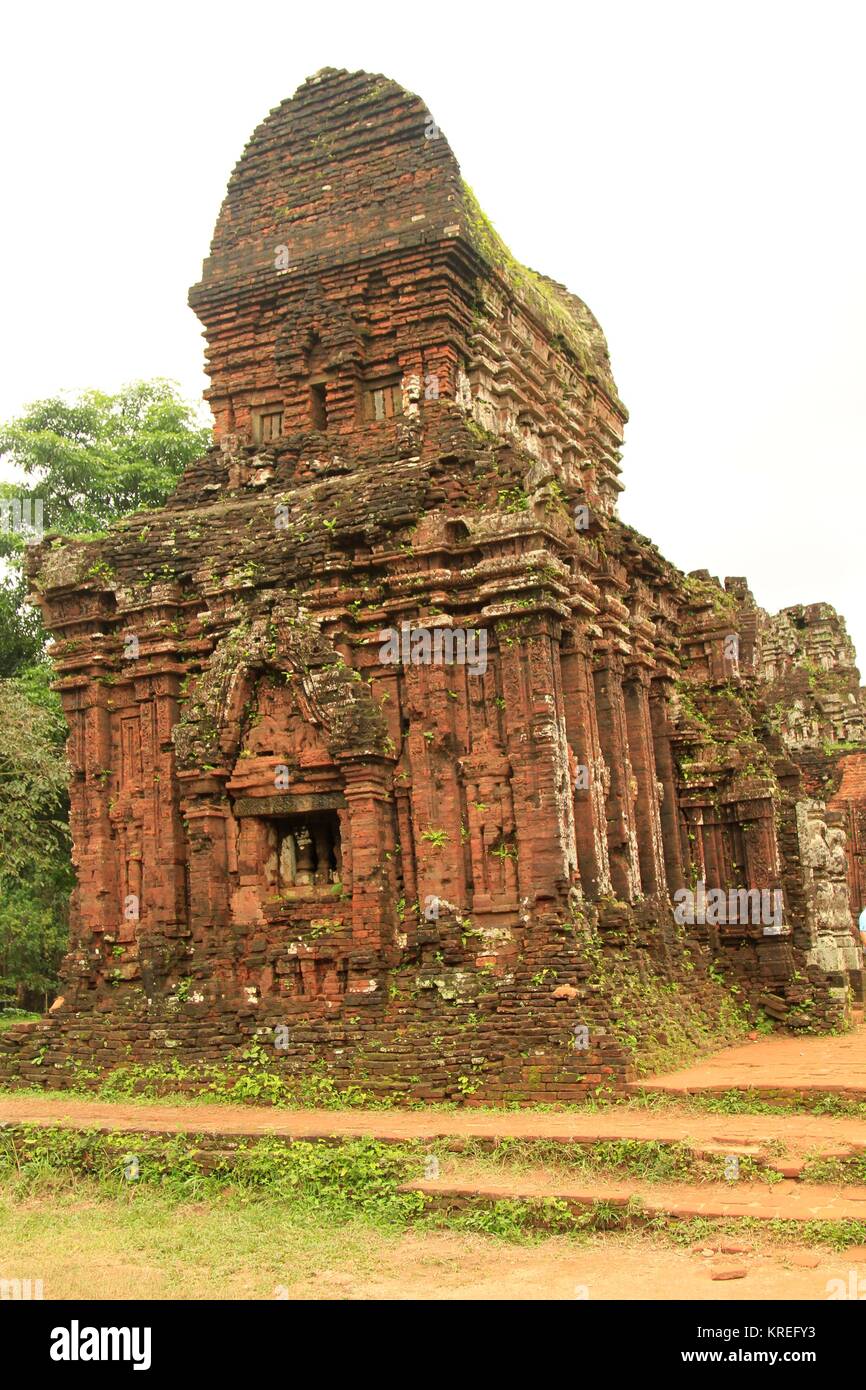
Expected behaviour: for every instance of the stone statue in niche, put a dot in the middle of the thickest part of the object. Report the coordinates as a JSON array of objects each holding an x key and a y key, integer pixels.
[
  {"x": 287, "y": 867},
  {"x": 822, "y": 845},
  {"x": 837, "y": 859},
  {"x": 303, "y": 852},
  {"x": 304, "y": 856}
]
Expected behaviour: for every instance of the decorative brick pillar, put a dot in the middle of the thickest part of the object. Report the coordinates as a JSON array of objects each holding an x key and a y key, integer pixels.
[
  {"x": 669, "y": 815},
  {"x": 490, "y": 820},
  {"x": 646, "y": 808},
  {"x": 590, "y": 816},
  {"x": 713, "y": 861},
  {"x": 96, "y": 854},
  {"x": 163, "y": 848},
  {"x": 621, "y": 829},
  {"x": 759, "y": 837},
  {"x": 207, "y": 815},
  {"x": 538, "y": 752},
  {"x": 437, "y": 796},
  {"x": 373, "y": 851},
  {"x": 694, "y": 837}
]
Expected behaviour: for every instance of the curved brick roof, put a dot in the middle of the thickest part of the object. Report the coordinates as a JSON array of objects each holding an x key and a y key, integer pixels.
[{"x": 353, "y": 165}]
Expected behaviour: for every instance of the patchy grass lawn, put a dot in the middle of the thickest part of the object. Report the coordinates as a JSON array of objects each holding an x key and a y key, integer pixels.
[
  {"x": 9, "y": 1017},
  {"x": 85, "y": 1243}
]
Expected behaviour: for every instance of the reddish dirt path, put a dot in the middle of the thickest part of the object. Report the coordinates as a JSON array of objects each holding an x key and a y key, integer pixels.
[
  {"x": 442, "y": 1268},
  {"x": 793, "y": 1134},
  {"x": 810, "y": 1064},
  {"x": 598, "y": 1272}
]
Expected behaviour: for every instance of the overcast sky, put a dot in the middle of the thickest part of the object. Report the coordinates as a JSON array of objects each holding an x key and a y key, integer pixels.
[{"x": 693, "y": 171}]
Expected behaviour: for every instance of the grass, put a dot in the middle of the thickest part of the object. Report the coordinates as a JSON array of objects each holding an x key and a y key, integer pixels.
[
  {"x": 832, "y": 1235},
  {"x": 644, "y": 1160},
  {"x": 9, "y": 1017},
  {"x": 249, "y": 1080},
  {"x": 363, "y": 1177},
  {"x": 358, "y": 1177},
  {"x": 86, "y": 1242},
  {"x": 841, "y": 1171},
  {"x": 750, "y": 1103}
]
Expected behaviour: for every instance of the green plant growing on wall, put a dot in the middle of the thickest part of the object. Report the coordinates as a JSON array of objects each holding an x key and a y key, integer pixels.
[
  {"x": 435, "y": 837},
  {"x": 513, "y": 499}
]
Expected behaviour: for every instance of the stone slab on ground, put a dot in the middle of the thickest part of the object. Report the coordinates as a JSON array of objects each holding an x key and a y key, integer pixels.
[{"x": 722, "y": 1201}]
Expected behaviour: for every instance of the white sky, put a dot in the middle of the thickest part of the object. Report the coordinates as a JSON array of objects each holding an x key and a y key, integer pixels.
[{"x": 694, "y": 171}]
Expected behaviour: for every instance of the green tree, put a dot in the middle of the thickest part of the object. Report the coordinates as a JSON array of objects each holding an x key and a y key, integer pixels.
[
  {"x": 90, "y": 460},
  {"x": 35, "y": 869},
  {"x": 22, "y": 637},
  {"x": 99, "y": 457}
]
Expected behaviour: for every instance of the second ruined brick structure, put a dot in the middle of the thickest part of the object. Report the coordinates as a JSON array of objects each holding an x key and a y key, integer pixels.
[{"x": 286, "y": 813}]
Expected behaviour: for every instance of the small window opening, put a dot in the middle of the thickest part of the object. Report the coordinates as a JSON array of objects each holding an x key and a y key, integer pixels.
[
  {"x": 456, "y": 532},
  {"x": 267, "y": 425},
  {"x": 318, "y": 406},
  {"x": 383, "y": 402}
]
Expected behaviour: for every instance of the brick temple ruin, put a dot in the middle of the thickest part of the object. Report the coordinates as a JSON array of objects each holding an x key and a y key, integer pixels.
[{"x": 385, "y": 731}]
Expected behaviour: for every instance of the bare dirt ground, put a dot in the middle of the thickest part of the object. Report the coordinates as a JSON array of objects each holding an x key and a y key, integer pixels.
[
  {"x": 791, "y": 1134},
  {"x": 444, "y": 1267},
  {"x": 805, "y": 1064}
]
